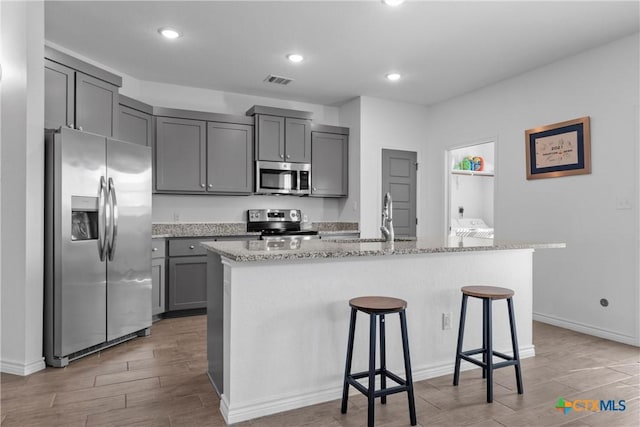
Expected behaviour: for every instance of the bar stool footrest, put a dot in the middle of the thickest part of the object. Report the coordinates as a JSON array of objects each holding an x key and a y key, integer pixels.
[
  {"x": 402, "y": 384},
  {"x": 509, "y": 361}
]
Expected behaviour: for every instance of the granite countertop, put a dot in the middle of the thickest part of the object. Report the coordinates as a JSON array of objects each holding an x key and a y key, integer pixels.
[
  {"x": 236, "y": 229},
  {"x": 261, "y": 250},
  {"x": 200, "y": 229}
]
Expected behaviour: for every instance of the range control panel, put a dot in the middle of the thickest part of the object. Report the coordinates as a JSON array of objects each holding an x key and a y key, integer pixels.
[{"x": 274, "y": 215}]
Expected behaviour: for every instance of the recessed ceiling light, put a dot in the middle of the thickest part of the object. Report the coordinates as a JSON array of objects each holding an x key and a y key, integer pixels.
[
  {"x": 393, "y": 3},
  {"x": 170, "y": 33},
  {"x": 393, "y": 76},
  {"x": 294, "y": 57}
]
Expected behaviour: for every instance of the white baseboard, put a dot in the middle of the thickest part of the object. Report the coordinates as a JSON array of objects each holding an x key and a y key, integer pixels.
[
  {"x": 283, "y": 403},
  {"x": 22, "y": 369},
  {"x": 586, "y": 329}
]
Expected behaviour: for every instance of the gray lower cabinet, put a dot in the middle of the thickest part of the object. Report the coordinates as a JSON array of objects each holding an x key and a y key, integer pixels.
[
  {"x": 78, "y": 100},
  {"x": 188, "y": 271},
  {"x": 135, "y": 126},
  {"x": 180, "y": 155},
  {"x": 229, "y": 158},
  {"x": 283, "y": 139},
  {"x": 329, "y": 164},
  {"x": 158, "y": 276},
  {"x": 187, "y": 282}
]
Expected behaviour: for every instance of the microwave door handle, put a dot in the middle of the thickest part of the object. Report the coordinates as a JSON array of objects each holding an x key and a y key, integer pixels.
[
  {"x": 113, "y": 202},
  {"x": 102, "y": 223}
]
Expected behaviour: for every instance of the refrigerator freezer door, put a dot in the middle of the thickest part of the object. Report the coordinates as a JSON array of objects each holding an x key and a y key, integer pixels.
[
  {"x": 79, "y": 286},
  {"x": 129, "y": 265}
]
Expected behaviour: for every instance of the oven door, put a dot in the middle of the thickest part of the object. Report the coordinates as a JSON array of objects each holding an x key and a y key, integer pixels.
[{"x": 276, "y": 178}]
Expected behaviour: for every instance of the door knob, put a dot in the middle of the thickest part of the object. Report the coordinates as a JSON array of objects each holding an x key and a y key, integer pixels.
[{"x": 192, "y": 247}]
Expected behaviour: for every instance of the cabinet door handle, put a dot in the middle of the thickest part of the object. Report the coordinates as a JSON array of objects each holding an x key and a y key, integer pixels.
[
  {"x": 202, "y": 185},
  {"x": 154, "y": 250},
  {"x": 282, "y": 156},
  {"x": 70, "y": 125},
  {"x": 210, "y": 185},
  {"x": 315, "y": 189},
  {"x": 80, "y": 128},
  {"x": 192, "y": 247},
  {"x": 288, "y": 156}
]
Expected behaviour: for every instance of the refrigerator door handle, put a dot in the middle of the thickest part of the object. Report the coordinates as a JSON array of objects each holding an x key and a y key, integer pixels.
[
  {"x": 102, "y": 220},
  {"x": 113, "y": 206}
]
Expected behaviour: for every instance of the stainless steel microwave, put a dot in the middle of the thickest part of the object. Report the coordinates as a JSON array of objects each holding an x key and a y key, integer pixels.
[{"x": 283, "y": 178}]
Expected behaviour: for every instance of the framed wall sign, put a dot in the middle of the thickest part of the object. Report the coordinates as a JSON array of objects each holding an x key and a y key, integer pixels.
[{"x": 559, "y": 149}]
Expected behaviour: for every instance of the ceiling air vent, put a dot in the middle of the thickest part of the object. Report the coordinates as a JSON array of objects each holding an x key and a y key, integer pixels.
[{"x": 279, "y": 80}]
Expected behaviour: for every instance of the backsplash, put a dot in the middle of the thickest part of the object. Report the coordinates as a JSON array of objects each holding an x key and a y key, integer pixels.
[{"x": 204, "y": 208}]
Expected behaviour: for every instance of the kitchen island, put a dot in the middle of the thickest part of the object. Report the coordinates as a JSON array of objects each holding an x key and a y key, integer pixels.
[{"x": 278, "y": 312}]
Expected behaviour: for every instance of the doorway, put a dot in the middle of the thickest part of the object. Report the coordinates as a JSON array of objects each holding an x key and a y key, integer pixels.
[
  {"x": 399, "y": 179},
  {"x": 470, "y": 171}
]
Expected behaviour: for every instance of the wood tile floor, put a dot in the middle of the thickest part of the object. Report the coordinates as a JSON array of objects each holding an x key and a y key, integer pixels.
[{"x": 161, "y": 380}]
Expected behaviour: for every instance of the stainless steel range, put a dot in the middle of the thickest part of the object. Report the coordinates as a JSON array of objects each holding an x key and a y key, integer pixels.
[{"x": 278, "y": 224}]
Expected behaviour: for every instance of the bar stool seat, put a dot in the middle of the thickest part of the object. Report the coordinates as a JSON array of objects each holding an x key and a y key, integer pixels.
[
  {"x": 384, "y": 305},
  {"x": 378, "y": 307},
  {"x": 487, "y": 294}
]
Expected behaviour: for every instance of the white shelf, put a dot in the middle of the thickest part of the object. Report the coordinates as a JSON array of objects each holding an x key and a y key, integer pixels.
[{"x": 465, "y": 172}]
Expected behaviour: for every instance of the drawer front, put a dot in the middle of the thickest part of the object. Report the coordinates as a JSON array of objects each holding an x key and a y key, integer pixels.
[
  {"x": 188, "y": 247},
  {"x": 158, "y": 248}
]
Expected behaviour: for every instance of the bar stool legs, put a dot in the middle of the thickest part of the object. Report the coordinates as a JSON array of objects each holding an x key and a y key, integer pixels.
[
  {"x": 488, "y": 294},
  {"x": 370, "y": 391},
  {"x": 514, "y": 344}
]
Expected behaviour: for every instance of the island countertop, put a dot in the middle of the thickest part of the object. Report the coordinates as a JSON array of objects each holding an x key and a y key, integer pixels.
[{"x": 269, "y": 250}]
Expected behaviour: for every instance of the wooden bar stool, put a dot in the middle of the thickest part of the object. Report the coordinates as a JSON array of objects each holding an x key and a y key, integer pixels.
[
  {"x": 378, "y": 307},
  {"x": 487, "y": 294}
]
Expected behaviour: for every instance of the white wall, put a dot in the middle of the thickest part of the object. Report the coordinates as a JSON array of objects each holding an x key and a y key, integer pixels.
[
  {"x": 22, "y": 192},
  {"x": 392, "y": 125},
  {"x": 171, "y": 208},
  {"x": 601, "y": 257},
  {"x": 351, "y": 117}
]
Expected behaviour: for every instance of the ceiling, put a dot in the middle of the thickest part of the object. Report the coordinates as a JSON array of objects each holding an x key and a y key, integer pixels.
[{"x": 441, "y": 48}]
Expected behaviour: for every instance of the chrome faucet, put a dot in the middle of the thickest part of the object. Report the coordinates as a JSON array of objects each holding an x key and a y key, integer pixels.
[{"x": 387, "y": 221}]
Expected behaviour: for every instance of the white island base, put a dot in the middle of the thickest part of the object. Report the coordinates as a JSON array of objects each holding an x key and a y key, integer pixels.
[{"x": 278, "y": 329}]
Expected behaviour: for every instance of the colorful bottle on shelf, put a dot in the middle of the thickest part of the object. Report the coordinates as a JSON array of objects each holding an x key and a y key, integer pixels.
[{"x": 478, "y": 163}]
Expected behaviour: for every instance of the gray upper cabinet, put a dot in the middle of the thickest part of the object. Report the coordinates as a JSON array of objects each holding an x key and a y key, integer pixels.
[
  {"x": 59, "y": 95},
  {"x": 297, "y": 140},
  {"x": 270, "y": 138},
  {"x": 180, "y": 155},
  {"x": 96, "y": 106},
  {"x": 330, "y": 164},
  {"x": 283, "y": 139},
  {"x": 229, "y": 158},
  {"x": 80, "y": 95},
  {"x": 135, "y": 126}
]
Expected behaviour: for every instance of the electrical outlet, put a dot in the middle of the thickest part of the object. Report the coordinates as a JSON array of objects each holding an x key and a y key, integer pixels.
[
  {"x": 446, "y": 321},
  {"x": 623, "y": 203}
]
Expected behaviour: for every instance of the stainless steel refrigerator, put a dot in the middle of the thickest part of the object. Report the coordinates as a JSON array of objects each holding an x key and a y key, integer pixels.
[{"x": 97, "y": 243}]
